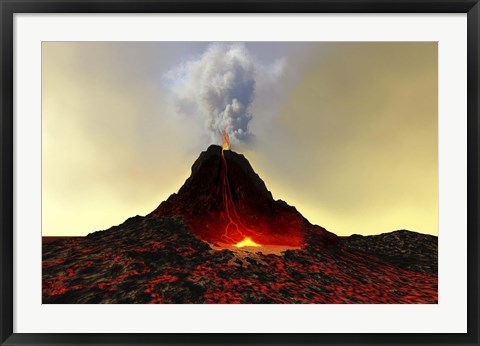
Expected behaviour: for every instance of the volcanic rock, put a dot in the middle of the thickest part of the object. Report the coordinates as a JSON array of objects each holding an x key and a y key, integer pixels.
[
  {"x": 200, "y": 202},
  {"x": 158, "y": 260},
  {"x": 175, "y": 254},
  {"x": 405, "y": 249}
]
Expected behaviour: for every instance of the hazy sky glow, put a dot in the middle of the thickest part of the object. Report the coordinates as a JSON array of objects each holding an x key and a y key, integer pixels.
[{"x": 345, "y": 132}]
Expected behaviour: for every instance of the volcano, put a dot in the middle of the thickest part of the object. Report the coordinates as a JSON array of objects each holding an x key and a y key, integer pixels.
[
  {"x": 211, "y": 243},
  {"x": 224, "y": 201}
]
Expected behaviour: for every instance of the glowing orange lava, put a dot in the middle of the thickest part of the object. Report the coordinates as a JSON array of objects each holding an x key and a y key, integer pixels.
[
  {"x": 235, "y": 228},
  {"x": 246, "y": 242},
  {"x": 226, "y": 141}
]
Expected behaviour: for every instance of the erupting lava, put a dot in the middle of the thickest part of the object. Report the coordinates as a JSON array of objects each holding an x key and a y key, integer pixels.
[
  {"x": 226, "y": 141},
  {"x": 229, "y": 215},
  {"x": 225, "y": 201}
]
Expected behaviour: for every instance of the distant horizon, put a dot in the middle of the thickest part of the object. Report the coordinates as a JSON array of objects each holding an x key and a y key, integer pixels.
[{"x": 343, "y": 235}]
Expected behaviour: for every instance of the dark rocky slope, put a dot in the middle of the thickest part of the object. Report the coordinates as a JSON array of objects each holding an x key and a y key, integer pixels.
[
  {"x": 200, "y": 202},
  {"x": 158, "y": 260},
  {"x": 175, "y": 255},
  {"x": 405, "y": 249}
]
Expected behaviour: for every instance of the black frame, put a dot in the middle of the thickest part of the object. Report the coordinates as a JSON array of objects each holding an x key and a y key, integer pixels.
[{"x": 9, "y": 7}]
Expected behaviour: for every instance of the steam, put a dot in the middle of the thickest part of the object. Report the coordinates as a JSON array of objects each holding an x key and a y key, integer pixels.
[{"x": 219, "y": 88}]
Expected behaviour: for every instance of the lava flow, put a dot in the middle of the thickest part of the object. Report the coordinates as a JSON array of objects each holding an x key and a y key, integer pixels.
[
  {"x": 226, "y": 141},
  {"x": 247, "y": 242},
  {"x": 225, "y": 201},
  {"x": 235, "y": 227}
]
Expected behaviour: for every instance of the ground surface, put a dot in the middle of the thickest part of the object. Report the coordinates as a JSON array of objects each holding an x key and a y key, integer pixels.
[{"x": 159, "y": 260}]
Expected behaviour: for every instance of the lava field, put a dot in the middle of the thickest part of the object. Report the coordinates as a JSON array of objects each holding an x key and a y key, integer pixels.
[
  {"x": 187, "y": 252},
  {"x": 158, "y": 260}
]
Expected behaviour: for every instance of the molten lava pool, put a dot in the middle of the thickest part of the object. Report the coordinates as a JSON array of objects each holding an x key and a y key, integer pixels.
[
  {"x": 247, "y": 242},
  {"x": 247, "y": 246}
]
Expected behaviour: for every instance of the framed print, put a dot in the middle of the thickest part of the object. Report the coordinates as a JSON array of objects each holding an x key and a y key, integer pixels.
[{"x": 243, "y": 173}]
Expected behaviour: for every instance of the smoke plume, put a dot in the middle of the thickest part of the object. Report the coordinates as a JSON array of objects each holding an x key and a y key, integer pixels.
[{"x": 219, "y": 87}]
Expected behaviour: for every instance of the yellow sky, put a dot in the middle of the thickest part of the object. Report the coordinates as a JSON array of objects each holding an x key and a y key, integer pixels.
[{"x": 349, "y": 139}]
